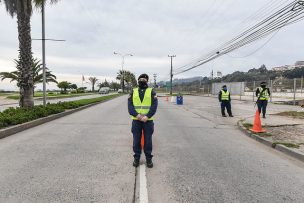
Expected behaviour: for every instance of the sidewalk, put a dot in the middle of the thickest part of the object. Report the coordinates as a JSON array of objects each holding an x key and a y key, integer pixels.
[{"x": 283, "y": 129}]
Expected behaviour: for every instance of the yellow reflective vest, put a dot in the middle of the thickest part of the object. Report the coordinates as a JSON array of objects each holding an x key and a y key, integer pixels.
[
  {"x": 225, "y": 95},
  {"x": 264, "y": 95},
  {"x": 142, "y": 107}
]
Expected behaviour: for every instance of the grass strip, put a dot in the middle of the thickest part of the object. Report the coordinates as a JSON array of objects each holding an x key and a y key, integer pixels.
[
  {"x": 52, "y": 96},
  {"x": 247, "y": 125},
  {"x": 14, "y": 116},
  {"x": 290, "y": 145}
]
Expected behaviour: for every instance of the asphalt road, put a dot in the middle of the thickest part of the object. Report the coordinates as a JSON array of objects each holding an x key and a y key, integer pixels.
[{"x": 87, "y": 157}]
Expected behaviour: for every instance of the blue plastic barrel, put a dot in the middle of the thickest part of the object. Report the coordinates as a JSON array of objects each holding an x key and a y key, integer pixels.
[{"x": 179, "y": 100}]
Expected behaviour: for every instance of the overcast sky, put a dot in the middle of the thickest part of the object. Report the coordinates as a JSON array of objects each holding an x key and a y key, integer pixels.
[{"x": 150, "y": 30}]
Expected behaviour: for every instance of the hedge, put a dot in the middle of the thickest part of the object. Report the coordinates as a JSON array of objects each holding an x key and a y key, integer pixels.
[{"x": 14, "y": 116}]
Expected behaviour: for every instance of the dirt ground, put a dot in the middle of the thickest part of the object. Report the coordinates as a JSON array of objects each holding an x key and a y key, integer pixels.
[{"x": 291, "y": 134}]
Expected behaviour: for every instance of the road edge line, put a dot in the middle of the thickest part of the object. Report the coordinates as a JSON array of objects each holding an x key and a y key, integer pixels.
[{"x": 143, "y": 191}]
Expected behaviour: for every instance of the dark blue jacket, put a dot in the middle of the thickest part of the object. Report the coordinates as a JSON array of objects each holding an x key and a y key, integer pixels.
[{"x": 153, "y": 107}]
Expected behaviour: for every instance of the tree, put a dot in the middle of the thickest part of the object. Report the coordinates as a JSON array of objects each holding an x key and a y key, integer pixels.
[
  {"x": 119, "y": 77},
  {"x": 37, "y": 71},
  {"x": 93, "y": 81},
  {"x": 23, "y": 10},
  {"x": 73, "y": 86},
  {"x": 114, "y": 86},
  {"x": 129, "y": 78},
  {"x": 103, "y": 84},
  {"x": 64, "y": 85}
]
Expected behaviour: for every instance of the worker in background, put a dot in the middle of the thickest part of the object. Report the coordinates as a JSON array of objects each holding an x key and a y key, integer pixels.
[
  {"x": 263, "y": 94},
  {"x": 225, "y": 100},
  {"x": 142, "y": 105}
]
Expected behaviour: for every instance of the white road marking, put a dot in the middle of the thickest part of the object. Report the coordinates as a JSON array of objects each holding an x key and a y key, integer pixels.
[{"x": 143, "y": 192}]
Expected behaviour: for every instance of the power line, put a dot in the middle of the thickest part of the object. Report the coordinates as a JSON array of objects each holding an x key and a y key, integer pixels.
[
  {"x": 272, "y": 5},
  {"x": 287, "y": 15}
]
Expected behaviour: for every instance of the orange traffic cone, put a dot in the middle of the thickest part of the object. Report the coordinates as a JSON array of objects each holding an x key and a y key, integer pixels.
[
  {"x": 142, "y": 141},
  {"x": 257, "y": 126}
]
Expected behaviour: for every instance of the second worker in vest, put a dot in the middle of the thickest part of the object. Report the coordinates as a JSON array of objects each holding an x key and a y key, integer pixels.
[
  {"x": 224, "y": 98},
  {"x": 142, "y": 105},
  {"x": 263, "y": 94}
]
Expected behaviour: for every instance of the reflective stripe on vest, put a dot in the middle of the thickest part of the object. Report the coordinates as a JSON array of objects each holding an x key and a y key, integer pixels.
[
  {"x": 225, "y": 95},
  {"x": 142, "y": 107},
  {"x": 264, "y": 95}
]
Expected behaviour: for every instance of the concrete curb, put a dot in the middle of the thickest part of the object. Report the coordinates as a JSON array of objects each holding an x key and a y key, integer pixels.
[
  {"x": 24, "y": 126},
  {"x": 288, "y": 151}
]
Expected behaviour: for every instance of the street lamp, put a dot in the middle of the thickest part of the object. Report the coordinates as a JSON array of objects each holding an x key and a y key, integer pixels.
[
  {"x": 122, "y": 66},
  {"x": 43, "y": 39}
]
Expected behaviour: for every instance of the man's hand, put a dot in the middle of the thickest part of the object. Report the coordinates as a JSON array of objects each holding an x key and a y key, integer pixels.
[
  {"x": 139, "y": 117},
  {"x": 144, "y": 119}
]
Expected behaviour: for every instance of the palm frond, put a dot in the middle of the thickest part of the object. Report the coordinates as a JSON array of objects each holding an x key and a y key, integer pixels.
[{"x": 9, "y": 75}]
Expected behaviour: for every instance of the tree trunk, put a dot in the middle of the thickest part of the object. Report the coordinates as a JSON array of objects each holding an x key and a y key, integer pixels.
[{"x": 25, "y": 59}]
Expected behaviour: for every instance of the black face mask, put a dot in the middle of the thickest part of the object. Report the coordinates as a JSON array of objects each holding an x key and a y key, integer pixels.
[
  {"x": 263, "y": 86},
  {"x": 142, "y": 84}
]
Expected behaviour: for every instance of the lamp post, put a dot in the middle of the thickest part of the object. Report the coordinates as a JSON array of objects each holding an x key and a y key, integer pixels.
[
  {"x": 43, "y": 39},
  {"x": 122, "y": 66}
]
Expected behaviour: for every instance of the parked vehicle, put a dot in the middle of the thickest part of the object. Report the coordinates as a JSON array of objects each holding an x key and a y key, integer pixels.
[
  {"x": 104, "y": 90},
  {"x": 119, "y": 91}
]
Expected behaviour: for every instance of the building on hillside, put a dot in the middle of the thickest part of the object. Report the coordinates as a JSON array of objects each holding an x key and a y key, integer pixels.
[
  {"x": 281, "y": 68},
  {"x": 298, "y": 64}
]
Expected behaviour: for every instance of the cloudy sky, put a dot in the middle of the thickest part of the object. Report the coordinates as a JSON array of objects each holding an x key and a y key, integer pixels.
[{"x": 150, "y": 30}]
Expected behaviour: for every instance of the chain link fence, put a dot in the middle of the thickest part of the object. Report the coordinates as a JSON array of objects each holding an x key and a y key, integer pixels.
[{"x": 282, "y": 90}]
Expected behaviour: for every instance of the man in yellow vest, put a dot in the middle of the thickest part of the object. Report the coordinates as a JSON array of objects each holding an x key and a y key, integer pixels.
[
  {"x": 263, "y": 94},
  {"x": 142, "y": 105},
  {"x": 224, "y": 98}
]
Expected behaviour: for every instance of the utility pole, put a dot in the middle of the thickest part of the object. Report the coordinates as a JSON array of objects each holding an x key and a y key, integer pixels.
[
  {"x": 171, "y": 72},
  {"x": 154, "y": 75},
  {"x": 43, "y": 55},
  {"x": 43, "y": 50}
]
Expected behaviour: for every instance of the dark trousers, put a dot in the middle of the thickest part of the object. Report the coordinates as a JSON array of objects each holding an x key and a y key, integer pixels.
[
  {"x": 262, "y": 105},
  {"x": 148, "y": 128},
  {"x": 227, "y": 105}
]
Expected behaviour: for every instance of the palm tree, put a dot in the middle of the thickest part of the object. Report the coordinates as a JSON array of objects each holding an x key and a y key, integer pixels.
[
  {"x": 37, "y": 74},
  {"x": 93, "y": 81},
  {"x": 23, "y": 10},
  {"x": 129, "y": 78}
]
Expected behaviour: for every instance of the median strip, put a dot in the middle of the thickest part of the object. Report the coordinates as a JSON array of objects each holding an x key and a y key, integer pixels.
[{"x": 14, "y": 120}]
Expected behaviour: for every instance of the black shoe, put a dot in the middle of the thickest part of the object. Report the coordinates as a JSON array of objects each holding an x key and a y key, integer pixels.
[
  {"x": 224, "y": 115},
  {"x": 136, "y": 162},
  {"x": 264, "y": 116},
  {"x": 231, "y": 116},
  {"x": 149, "y": 163}
]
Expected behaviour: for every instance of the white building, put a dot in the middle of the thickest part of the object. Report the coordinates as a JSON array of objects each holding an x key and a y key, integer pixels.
[{"x": 298, "y": 64}]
